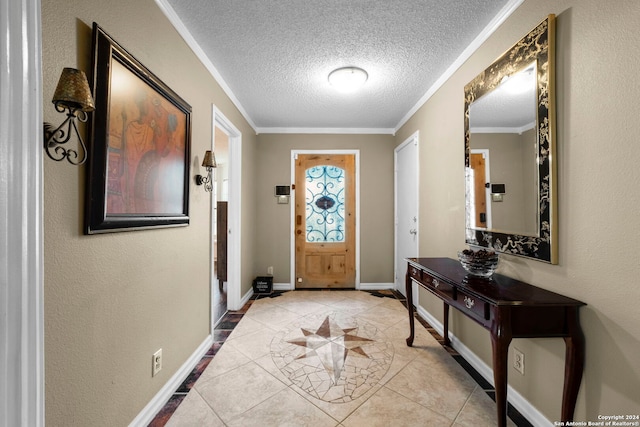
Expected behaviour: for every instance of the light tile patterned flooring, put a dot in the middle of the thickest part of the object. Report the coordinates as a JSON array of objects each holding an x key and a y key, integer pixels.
[{"x": 329, "y": 358}]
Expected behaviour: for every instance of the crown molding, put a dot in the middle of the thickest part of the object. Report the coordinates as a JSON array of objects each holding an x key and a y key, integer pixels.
[
  {"x": 338, "y": 131},
  {"x": 197, "y": 50}
]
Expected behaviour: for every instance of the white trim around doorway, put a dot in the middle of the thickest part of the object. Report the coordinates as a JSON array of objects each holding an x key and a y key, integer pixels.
[{"x": 22, "y": 236}]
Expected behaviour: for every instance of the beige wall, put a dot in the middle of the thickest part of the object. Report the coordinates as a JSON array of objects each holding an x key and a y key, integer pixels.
[
  {"x": 112, "y": 300},
  {"x": 598, "y": 170},
  {"x": 376, "y": 201}
]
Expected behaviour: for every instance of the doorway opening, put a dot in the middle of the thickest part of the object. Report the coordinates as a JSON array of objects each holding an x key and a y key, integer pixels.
[
  {"x": 225, "y": 218},
  {"x": 221, "y": 196}
]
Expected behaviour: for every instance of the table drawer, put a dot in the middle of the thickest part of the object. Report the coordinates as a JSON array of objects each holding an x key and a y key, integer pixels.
[
  {"x": 473, "y": 306},
  {"x": 415, "y": 273},
  {"x": 438, "y": 286}
]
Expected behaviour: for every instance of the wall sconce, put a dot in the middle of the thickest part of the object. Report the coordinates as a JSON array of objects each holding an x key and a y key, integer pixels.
[
  {"x": 72, "y": 94},
  {"x": 209, "y": 162}
]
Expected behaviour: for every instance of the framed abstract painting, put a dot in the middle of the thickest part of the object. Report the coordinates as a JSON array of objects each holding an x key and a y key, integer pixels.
[{"x": 138, "y": 174}]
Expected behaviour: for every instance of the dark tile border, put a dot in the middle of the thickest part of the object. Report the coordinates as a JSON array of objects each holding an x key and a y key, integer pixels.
[
  {"x": 220, "y": 334},
  {"x": 167, "y": 410},
  {"x": 515, "y": 416}
]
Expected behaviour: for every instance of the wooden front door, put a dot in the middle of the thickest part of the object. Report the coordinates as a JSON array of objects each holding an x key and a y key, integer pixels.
[
  {"x": 325, "y": 221},
  {"x": 479, "y": 190}
]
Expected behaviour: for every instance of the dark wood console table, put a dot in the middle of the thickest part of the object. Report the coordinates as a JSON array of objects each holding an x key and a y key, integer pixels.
[{"x": 508, "y": 308}]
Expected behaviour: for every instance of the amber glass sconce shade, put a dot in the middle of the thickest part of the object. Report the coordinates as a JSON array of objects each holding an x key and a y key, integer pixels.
[
  {"x": 73, "y": 97},
  {"x": 209, "y": 163}
]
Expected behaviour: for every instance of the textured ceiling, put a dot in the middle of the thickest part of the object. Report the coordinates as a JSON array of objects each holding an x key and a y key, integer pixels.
[{"x": 274, "y": 56}]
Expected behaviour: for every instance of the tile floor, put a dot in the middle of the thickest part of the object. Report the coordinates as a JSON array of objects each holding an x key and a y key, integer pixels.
[{"x": 329, "y": 358}]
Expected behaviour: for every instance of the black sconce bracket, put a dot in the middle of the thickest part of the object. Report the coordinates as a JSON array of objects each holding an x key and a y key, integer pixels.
[{"x": 54, "y": 139}]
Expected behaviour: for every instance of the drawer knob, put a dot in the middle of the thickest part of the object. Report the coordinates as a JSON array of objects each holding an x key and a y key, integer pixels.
[
  {"x": 435, "y": 283},
  {"x": 469, "y": 302}
]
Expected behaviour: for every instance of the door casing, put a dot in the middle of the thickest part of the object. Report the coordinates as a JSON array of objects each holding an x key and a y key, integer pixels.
[{"x": 292, "y": 263}]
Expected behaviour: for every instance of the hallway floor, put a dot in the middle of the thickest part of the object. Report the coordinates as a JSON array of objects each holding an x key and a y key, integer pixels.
[{"x": 329, "y": 358}]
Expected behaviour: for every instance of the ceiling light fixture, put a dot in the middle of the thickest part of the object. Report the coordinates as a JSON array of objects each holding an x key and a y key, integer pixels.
[{"x": 348, "y": 79}]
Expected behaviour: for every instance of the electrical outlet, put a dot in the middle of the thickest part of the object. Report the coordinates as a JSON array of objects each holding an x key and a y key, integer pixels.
[
  {"x": 270, "y": 271},
  {"x": 518, "y": 360},
  {"x": 156, "y": 363}
]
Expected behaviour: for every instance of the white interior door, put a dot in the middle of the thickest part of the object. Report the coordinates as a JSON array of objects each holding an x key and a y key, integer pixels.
[{"x": 406, "y": 207}]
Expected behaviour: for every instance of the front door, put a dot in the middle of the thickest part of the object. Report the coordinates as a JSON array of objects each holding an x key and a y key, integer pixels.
[
  {"x": 325, "y": 221},
  {"x": 482, "y": 212}
]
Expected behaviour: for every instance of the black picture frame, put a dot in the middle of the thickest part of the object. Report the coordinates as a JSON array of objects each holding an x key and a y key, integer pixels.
[{"x": 139, "y": 157}]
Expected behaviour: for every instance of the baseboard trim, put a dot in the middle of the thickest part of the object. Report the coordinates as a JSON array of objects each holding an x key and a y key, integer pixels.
[
  {"x": 245, "y": 299},
  {"x": 282, "y": 287},
  {"x": 529, "y": 411},
  {"x": 165, "y": 393},
  {"x": 375, "y": 286},
  {"x": 362, "y": 287}
]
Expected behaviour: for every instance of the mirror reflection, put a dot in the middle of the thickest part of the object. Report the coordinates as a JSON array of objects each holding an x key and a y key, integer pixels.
[
  {"x": 503, "y": 144},
  {"x": 509, "y": 118}
]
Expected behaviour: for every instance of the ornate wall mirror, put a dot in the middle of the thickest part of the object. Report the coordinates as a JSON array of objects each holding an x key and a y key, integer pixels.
[{"x": 509, "y": 119}]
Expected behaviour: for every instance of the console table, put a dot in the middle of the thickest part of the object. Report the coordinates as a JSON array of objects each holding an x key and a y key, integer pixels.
[{"x": 508, "y": 308}]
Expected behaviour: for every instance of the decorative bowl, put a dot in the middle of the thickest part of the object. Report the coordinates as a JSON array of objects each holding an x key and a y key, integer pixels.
[{"x": 481, "y": 263}]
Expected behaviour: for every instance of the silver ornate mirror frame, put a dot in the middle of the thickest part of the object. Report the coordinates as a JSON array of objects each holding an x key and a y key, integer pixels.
[{"x": 538, "y": 46}]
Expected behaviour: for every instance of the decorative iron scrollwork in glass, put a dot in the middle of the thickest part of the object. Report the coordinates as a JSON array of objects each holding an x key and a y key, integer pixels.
[{"x": 325, "y": 204}]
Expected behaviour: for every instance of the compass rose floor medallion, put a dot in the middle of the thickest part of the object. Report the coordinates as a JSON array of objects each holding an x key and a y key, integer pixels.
[{"x": 334, "y": 358}]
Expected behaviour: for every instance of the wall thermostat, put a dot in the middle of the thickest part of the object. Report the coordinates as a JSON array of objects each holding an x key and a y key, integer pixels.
[
  {"x": 498, "y": 188},
  {"x": 283, "y": 190}
]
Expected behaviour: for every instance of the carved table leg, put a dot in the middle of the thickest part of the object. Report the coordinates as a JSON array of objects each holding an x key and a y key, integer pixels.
[
  {"x": 445, "y": 333},
  {"x": 573, "y": 365},
  {"x": 409, "y": 292},
  {"x": 500, "y": 340}
]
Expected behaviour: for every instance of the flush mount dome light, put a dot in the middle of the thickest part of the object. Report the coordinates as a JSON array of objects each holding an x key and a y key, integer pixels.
[{"x": 348, "y": 79}]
